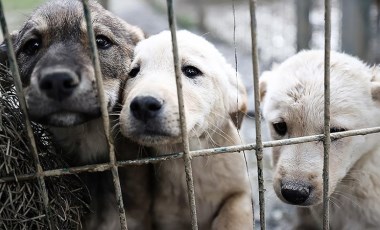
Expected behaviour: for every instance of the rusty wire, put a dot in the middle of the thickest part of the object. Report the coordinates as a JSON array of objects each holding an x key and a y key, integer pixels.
[
  {"x": 196, "y": 153},
  {"x": 326, "y": 139},
  {"x": 182, "y": 118},
  {"x": 259, "y": 143},
  {"x": 105, "y": 116}
]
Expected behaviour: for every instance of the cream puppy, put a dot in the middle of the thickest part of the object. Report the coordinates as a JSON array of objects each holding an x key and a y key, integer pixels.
[
  {"x": 212, "y": 92},
  {"x": 293, "y": 105}
]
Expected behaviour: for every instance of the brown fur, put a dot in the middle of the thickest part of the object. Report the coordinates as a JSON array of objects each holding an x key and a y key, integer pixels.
[{"x": 53, "y": 44}]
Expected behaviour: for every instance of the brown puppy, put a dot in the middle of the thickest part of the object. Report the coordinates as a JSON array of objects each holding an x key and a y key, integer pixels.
[
  {"x": 212, "y": 91},
  {"x": 58, "y": 78}
]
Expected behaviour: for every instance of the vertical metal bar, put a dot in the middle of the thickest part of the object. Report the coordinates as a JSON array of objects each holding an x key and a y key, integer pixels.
[
  {"x": 20, "y": 94},
  {"x": 327, "y": 138},
  {"x": 237, "y": 96},
  {"x": 259, "y": 144},
  {"x": 182, "y": 116},
  {"x": 105, "y": 116}
]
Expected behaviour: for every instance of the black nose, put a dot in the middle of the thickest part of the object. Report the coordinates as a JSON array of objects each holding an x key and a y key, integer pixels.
[
  {"x": 295, "y": 192},
  {"x": 145, "y": 108},
  {"x": 58, "y": 85}
]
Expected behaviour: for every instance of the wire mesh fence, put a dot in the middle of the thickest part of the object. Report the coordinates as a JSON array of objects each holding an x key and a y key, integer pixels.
[{"x": 187, "y": 154}]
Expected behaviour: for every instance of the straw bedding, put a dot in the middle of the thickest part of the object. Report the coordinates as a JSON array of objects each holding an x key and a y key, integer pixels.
[{"x": 21, "y": 203}]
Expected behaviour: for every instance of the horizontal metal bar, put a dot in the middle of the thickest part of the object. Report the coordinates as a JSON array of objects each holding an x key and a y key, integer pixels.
[
  {"x": 291, "y": 141},
  {"x": 91, "y": 168},
  {"x": 198, "y": 153}
]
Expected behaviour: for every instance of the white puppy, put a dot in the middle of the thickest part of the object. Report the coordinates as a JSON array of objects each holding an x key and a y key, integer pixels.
[
  {"x": 293, "y": 105},
  {"x": 212, "y": 92}
]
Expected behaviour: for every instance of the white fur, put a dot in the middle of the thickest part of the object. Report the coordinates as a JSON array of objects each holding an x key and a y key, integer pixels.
[
  {"x": 294, "y": 93},
  {"x": 221, "y": 183}
]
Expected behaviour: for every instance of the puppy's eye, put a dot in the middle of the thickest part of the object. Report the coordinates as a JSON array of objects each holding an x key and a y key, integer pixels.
[
  {"x": 133, "y": 73},
  {"x": 32, "y": 46},
  {"x": 281, "y": 128},
  {"x": 103, "y": 42},
  {"x": 337, "y": 129},
  {"x": 191, "y": 71}
]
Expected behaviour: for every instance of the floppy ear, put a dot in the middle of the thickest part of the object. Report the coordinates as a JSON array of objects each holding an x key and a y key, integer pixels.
[
  {"x": 375, "y": 91},
  {"x": 137, "y": 34},
  {"x": 237, "y": 97},
  {"x": 4, "y": 49},
  {"x": 6, "y": 80},
  {"x": 3, "y": 54},
  {"x": 263, "y": 81},
  {"x": 375, "y": 84}
]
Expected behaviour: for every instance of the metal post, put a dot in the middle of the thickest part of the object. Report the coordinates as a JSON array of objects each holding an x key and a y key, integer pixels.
[
  {"x": 105, "y": 116},
  {"x": 327, "y": 139},
  {"x": 259, "y": 144},
  {"x": 182, "y": 116}
]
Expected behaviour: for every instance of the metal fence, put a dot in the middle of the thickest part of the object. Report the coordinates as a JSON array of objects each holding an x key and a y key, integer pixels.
[{"x": 186, "y": 155}]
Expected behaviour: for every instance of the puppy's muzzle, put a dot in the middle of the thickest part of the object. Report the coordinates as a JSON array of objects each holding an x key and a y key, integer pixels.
[
  {"x": 295, "y": 192},
  {"x": 145, "y": 108},
  {"x": 58, "y": 84}
]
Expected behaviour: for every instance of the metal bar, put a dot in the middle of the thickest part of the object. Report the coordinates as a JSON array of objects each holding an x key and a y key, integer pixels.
[
  {"x": 20, "y": 94},
  {"x": 182, "y": 117},
  {"x": 237, "y": 116},
  {"x": 327, "y": 139},
  {"x": 259, "y": 144},
  {"x": 197, "y": 153},
  {"x": 105, "y": 116}
]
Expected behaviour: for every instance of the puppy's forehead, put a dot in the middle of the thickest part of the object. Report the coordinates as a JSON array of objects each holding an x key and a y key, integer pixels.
[
  {"x": 57, "y": 14},
  {"x": 190, "y": 46},
  {"x": 65, "y": 19},
  {"x": 297, "y": 89}
]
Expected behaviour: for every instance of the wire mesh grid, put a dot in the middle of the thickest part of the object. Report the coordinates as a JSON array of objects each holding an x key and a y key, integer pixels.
[{"x": 186, "y": 155}]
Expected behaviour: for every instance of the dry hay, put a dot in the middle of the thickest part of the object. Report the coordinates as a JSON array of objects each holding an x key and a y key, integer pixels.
[{"x": 21, "y": 203}]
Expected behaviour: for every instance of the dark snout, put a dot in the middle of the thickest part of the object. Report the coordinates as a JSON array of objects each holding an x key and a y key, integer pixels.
[
  {"x": 295, "y": 192},
  {"x": 145, "y": 108},
  {"x": 58, "y": 84}
]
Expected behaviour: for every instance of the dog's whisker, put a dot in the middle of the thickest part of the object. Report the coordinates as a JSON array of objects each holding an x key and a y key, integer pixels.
[
  {"x": 222, "y": 133},
  {"x": 335, "y": 202},
  {"x": 220, "y": 115},
  {"x": 210, "y": 138},
  {"x": 360, "y": 173},
  {"x": 349, "y": 198}
]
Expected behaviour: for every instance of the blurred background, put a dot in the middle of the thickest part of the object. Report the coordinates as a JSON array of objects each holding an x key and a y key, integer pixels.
[{"x": 284, "y": 27}]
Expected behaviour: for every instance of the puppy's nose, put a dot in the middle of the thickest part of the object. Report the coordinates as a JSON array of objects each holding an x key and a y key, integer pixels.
[
  {"x": 295, "y": 192},
  {"x": 58, "y": 85},
  {"x": 145, "y": 108}
]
